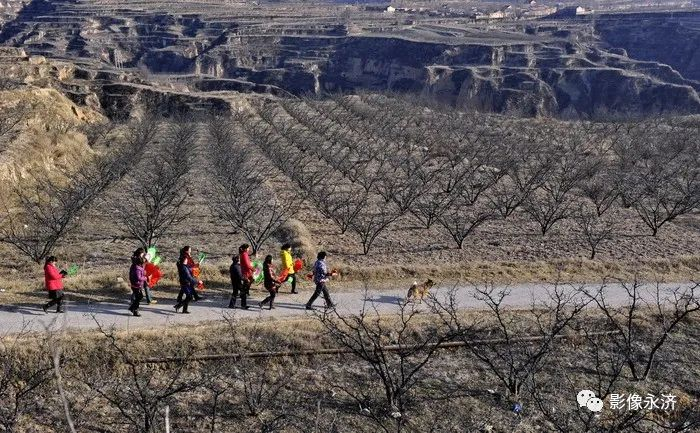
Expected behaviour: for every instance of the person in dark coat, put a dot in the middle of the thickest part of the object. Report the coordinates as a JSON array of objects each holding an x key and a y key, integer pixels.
[
  {"x": 137, "y": 279},
  {"x": 187, "y": 285},
  {"x": 321, "y": 277},
  {"x": 237, "y": 284},
  {"x": 270, "y": 282},
  {"x": 187, "y": 260}
]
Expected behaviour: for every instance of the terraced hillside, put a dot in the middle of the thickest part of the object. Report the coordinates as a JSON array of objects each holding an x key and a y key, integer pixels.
[{"x": 580, "y": 67}]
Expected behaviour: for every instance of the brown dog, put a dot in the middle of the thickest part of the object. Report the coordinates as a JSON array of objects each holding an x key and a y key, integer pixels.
[{"x": 418, "y": 291}]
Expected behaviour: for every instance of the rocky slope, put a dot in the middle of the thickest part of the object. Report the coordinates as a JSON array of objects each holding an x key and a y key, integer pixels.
[
  {"x": 671, "y": 39},
  {"x": 572, "y": 68}
]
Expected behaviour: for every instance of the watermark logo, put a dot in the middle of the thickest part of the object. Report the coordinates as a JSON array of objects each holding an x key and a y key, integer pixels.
[
  {"x": 634, "y": 402},
  {"x": 631, "y": 402},
  {"x": 588, "y": 399}
]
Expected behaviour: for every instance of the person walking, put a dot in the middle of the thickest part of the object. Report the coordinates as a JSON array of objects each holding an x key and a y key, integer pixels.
[
  {"x": 137, "y": 279},
  {"x": 237, "y": 284},
  {"x": 246, "y": 267},
  {"x": 288, "y": 265},
  {"x": 270, "y": 282},
  {"x": 187, "y": 284},
  {"x": 141, "y": 253},
  {"x": 321, "y": 277},
  {"x": 53, "y": 280},
  {"x": 187, "y": 260}
]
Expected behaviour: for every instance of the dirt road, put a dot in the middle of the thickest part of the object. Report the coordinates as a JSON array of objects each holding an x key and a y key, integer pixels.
[{"x": 84, "y": 316}]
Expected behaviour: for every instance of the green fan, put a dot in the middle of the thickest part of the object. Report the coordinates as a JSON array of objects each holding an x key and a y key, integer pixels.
[{"x": 72, "y": 270}]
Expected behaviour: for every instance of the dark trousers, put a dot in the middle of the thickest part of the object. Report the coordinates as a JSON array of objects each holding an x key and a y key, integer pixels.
[
  {"x": 320, "y": 288},
  {"x": 271, "y": 298},
  {"x": 184, "y": 303},
  {"x": 243, "y": 291},
  {"x": 56, "y": 298},
  {"x": 194, "y": 295},
  {"x": 293, "y": 277},
  {"x": 136, "y": 297}
]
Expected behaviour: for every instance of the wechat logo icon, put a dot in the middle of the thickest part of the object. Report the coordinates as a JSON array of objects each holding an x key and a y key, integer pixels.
[{"x": 588, "y": 399}]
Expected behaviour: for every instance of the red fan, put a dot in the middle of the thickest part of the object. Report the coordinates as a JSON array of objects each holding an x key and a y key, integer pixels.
[
  {"x": 283, "y": 276},
  {"x": 298, "y": 264},
  {"x": 153, "y": 274},
  {"x": 196, "y": 272}
]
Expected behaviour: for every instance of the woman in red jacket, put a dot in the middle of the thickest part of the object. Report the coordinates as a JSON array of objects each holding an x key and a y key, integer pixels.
[
  {"x": 246, "y": 267},
  {"x": 246, "y": 264},
  {"x": 53, "y": 278}
]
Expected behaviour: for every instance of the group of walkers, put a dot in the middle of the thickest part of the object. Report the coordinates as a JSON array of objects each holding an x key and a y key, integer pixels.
[
  {"x": 242, "y": 273},
  {"x": 242, "y": 270}
]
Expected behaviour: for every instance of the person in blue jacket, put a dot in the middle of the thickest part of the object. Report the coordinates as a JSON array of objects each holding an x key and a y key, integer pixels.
[{"x": 187, "y": 284}]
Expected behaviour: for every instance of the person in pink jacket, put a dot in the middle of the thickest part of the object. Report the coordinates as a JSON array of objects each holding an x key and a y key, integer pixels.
[
  {"x": 137, "y": 278},
  {"x": 53, "y": 279}
]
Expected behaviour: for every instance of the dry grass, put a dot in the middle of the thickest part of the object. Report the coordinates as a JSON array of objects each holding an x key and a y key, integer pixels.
[
  {"x": 685, "y": 268},
  {"x": 310, "y": 379},
  {"x": 295, "y": 233}
]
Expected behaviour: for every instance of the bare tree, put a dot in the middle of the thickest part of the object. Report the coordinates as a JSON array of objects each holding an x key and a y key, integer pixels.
[
  {"x": 602, "y": 189},
  {"x": 21, "y": 382},
  {"x": 660, "y": 172},
  {"x": 399, "y": 373},
  {"x": 47, "y": 206},
  {"x": 249, "y": 206},
  {"x": 251, "y": 390},
  {"x": 135, "y": 391},
  {"x": 553, "y": 200},
  {"x": 525, "y": 167},
  {"x": 240, "y": 195},
  {"x": 661, "y": 197},
  {"x": 151, "y": 201},
  {"x": 518, "y": 359},
  {"x": 400, "y": 189},
  {"x": 410, "y": 173},
  {"x": 342, "y": 205},
  {"x": 668, "y": 308},
  {"x": 460, "y": 220},
  {"x": 595, "y": 228},
  {"x": 617, "y": 349},
  {"x": 370, "y": 222},
  {"x": 430, "y": 206},
  {"x": 594, "y": 368}
]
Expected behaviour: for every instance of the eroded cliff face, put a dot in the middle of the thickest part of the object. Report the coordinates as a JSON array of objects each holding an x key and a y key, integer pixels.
[
  {"x": 670, "y": 39},
  {"x": 561, "y": 67},
  {"x": 556, "y": 77}
]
